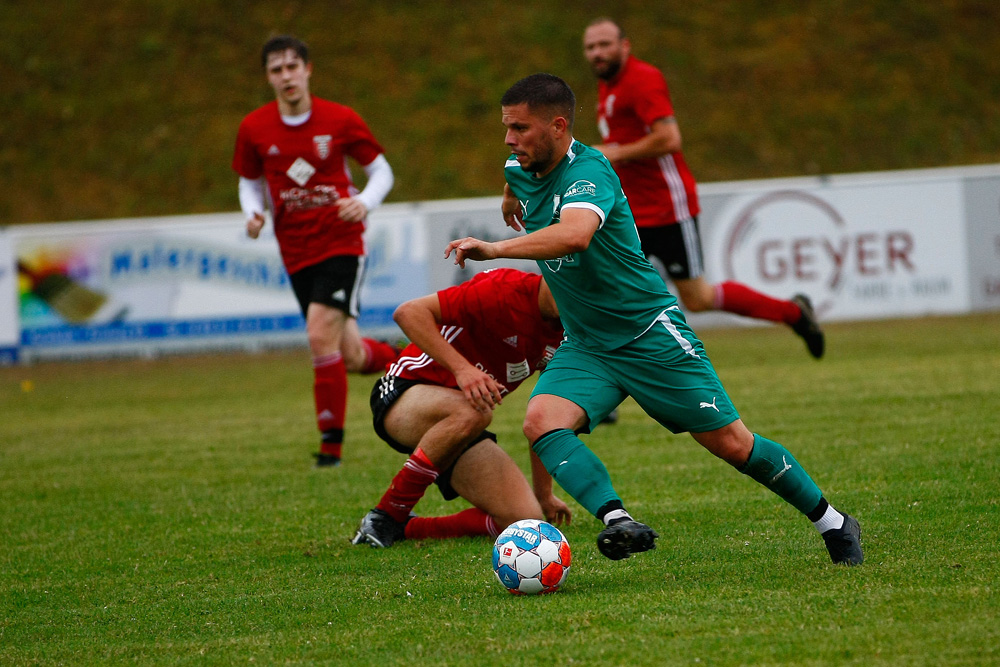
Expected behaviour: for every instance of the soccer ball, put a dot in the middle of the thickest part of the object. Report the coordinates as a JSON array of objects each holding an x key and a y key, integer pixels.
[{"x": 530, "y": 557}]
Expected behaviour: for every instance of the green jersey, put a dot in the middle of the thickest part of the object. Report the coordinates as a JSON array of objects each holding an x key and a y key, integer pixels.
[{"x": 608, "y": 294}]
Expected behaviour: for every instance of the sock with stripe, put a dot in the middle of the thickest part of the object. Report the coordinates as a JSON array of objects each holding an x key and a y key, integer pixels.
[
  {"x": 737, "y": 298},
  {"x": 774, "y": 466},
  {"x": 825, "y": 517},
  {"x": 467, "y": 523},
  {"x": 330, "y": 394},
  {"x": 378, "y": 355},
  {"x": 577, "y": 469},
  {"x": 408, "y": 486}
]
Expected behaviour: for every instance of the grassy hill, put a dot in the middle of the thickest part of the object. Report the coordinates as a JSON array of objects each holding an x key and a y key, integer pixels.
[{"x": 127, "y": 108}]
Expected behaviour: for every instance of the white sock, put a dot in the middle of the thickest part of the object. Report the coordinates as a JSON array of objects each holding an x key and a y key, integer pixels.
[
  {"x": 616, "y": 515},
  {"x": 831, "y": 520}
]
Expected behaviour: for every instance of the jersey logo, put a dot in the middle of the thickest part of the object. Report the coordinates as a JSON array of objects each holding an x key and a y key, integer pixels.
[
  {"x": 300, "y": 171},
  {"x": 339, "y": 295},
  {"x": 554, "y": 265},
  {"x": 581, "y": 188},
  {"x": 511, "y": 340},
  {"x": 274, "y": 150},
  {"x": 524, "y": 207},
  {"x": 321, "y": 142},
  {"x": 519, "y": 371}
]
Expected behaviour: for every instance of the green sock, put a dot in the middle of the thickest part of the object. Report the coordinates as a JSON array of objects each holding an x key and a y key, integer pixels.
[
  {"x": 577, "y": 469},
  {"x": 773, "y": 466}
]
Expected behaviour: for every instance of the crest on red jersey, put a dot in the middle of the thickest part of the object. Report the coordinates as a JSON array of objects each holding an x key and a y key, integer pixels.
[{"x": 321, "y": 142}]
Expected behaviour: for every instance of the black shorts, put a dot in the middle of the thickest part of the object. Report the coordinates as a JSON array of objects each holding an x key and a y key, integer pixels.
[
  {"x": 387, "y": 391},
  {"x": 677, "y": 247},
  {"x": 334, "y": 282}
]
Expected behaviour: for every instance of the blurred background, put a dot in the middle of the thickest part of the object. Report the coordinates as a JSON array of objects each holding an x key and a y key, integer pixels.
[{"x": 122, "y": 108}]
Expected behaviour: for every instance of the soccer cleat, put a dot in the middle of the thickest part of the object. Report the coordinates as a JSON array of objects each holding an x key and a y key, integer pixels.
[
  {"x": 624, "y": 538},
  {"x": 379, "y": 530},
  {"x": 326, "y": 460},
  {"x": 808, "y": 326},
  {"x": 844, "y": 543}
]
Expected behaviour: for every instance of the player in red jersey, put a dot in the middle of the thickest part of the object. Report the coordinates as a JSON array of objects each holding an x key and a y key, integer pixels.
[
  {"x": 643, "y": 142},
  {"x": 291, "y": 156},
  {"x": 472, "y": 345}
]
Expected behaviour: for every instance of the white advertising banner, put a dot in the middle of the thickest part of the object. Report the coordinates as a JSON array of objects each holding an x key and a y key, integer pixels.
[
  {"x": 894, "y": 244},
  {"x": 9, "y": 325},
  {"x": 859, "y": 249}
]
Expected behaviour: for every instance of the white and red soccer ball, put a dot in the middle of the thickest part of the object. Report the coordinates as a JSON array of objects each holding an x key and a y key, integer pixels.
[{"x": 530, "y": 557}]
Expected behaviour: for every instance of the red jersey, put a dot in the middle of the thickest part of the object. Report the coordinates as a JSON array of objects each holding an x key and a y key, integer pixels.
[
  {"x": 306, "y": 171},
  {"x": 494, "y": 321},
  {"x": 660, "y": 191}
]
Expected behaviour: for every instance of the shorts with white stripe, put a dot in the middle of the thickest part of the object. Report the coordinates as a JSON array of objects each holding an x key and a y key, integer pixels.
[
  {"x": 677, "y": 247},
  {"x": 665, "y": 370},
  {"x": 334, "y": 282}
]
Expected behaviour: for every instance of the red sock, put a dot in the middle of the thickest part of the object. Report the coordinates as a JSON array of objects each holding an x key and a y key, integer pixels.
[
  {"x": 330, "y": 392},
  {"x": 379, "y": 355},
  {"x": 467, "y": 523},
  {"x": 738, "y": 298},
  {"x": 408, "y": 486}
]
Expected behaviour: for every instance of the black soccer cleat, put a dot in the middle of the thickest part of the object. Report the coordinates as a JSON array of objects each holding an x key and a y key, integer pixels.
[
  {"x": 379, "y": 530},
  {"x": 808, "y": 326},
  {"x": 326, "y": 460},
  {"x": 624, "y": 538},
  {"x": 844, "y": 543}
]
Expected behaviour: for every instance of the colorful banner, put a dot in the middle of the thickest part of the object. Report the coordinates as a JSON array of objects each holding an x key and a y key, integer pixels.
[
  {"x": 893, "y": 244},
  {"x": 185, "y": 282}
]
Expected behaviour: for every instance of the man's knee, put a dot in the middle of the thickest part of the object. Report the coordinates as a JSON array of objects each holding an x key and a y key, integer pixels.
[{"x": 696, "y": 295}]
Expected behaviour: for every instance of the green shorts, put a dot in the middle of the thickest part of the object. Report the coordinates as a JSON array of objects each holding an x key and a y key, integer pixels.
[{"x": 665, "y": 370}]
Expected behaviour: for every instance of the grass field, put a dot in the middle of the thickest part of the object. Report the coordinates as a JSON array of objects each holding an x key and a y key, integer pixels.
[{"x": 164, "y": 512}]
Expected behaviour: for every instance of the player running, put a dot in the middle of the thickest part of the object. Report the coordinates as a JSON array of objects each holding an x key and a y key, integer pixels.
[
  {"x": 291, "y": 156},
  {"x": 625, "y": 335},
  {"x": 471, "y": 345}
]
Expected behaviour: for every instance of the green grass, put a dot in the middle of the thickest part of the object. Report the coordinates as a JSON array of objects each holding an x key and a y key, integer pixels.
[{"x": 164, "y": 512}]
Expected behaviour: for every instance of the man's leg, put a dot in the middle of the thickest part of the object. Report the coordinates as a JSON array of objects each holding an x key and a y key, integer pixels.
[
  {"x": 438, "y": 423},
  {"x": 324, "y": 329},
  {"x": 550, "y": 425},
  {"x": 773, "y": 466},
  {"x": 364, "y": 355}
]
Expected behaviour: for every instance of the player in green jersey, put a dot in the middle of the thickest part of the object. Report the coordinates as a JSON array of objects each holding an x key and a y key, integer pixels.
[{"x": 625, "y": 335}]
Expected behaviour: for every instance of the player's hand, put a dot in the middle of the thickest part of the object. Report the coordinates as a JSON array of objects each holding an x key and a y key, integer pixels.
[
  {"x": 351, "y": 209},
  {"x": 254, "y": 225},
  {"x": 481, "y": 390},
  {"x": 556, "y": 511},
  {"x": 470, "y": 248},
  {"x": 511, "y": 209}
]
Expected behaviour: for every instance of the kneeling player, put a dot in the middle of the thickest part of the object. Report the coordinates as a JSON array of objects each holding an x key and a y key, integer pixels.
[{"x": 471, "y": 345}]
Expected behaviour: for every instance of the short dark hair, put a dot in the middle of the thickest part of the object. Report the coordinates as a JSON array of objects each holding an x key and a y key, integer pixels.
[
  {"x": 280, "y": 44},
  {"x": 607, "y": 19},
  {"x": 543, "y": 91}
]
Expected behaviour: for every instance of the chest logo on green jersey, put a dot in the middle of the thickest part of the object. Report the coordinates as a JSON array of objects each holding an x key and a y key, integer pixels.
[{"x": 553, "y": 265}]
